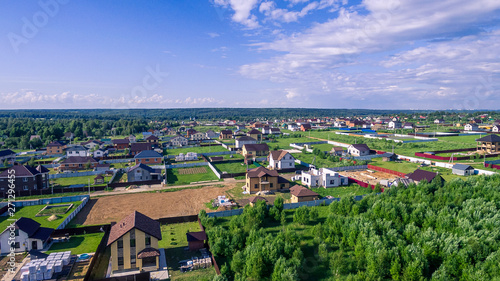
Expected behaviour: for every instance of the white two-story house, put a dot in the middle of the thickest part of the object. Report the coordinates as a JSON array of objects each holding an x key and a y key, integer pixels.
[{"x": 280, "y": 159}]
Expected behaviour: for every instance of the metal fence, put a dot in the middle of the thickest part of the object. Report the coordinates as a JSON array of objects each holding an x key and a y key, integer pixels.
[
  {"x": 75, "y": 174},
  {"x": 74, "y": 213},
  {"x": 187, "y": 165},
  {"x": 216, "y": 172},
  {"x": 46, "y": 201},
  {"x": 218, "y": 153},
  {"x": 117, "y": 160},
  {"x": 349, "y": 168}
]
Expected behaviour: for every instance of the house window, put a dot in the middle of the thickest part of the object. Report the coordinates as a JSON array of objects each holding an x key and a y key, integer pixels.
[
  {"x": 34, "y": 186},
  {"x": 148, "y": 241},
  {"x": 256, "y": 186},
  {"x": 25, "y": 187},
  {"x": 120, "y": 261},
  {"x": 25, "y": 179},
  {"x": 16, "y": 232},
  {"x": 16, "y": 245},
  {"x": 271, "y": 185},
  {"x": 132, "y": 259},
  {"x": 290, "y": 164},
  {"x": 132, "y": 242},
  {"x": 120, "y": 244},
  {"x": 282, "y": 186}
]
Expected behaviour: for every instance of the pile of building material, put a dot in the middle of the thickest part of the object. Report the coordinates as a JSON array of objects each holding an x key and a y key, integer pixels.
[
  {"x": 190, "y": 156},
  {"x": 43, "y": 269}
]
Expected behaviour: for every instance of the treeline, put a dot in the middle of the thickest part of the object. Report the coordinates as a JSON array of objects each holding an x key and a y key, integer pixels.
[{"x": 423, "y": 232}]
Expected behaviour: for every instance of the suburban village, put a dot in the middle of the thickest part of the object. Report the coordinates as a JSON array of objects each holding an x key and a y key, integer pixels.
[{"x": 154, "y": 205}]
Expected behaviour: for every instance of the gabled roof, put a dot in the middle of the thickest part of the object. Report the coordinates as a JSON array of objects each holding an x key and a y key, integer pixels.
[
  {"x": 134, "y": 220},
  {"x": 361, "y": 147},
  {"x": 79, "y": 160},
  {"x": 120, "y": 141},
  {"x": 140, "y": 146},
  {"x": 196, "y": 236},
  {"x": 254, "y": 199},
  {"x": 462, "y": 167},
  {"x": 152, "y": 137},
  {"x": 226, "y": 132},
  {"x": 21, "y": 171},
  {"x": 148, "y": 253},
  {"x": 55, "y": 143},
  {"x": 419, "y": 175},
  {"x": 6, "y": 152},
  {"x": 42, "y": 169},
  {"x": 27, "y": 225},
  {"x": 246, "y": 138},
  {"x": 337, "y": 148},
  {"x": 142, "y": 166},
  {"x": 256, "y": 147},
  {"x": 148, "y": 154},
  {"x": 490, "y": 138},
  {"x": 260, "y": 172},
  {"x": 300, "y": 191},
  {"x": 76, "y": 148},
  {"x": 277, "y": 155},
  {"x": 254, "y": 132}
]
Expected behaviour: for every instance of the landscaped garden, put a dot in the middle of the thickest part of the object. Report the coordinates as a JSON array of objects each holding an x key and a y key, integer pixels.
[{"x": 78, "y": 244}]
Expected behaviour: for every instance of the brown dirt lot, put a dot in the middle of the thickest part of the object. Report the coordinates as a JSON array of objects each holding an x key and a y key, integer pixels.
[
  {"x": 369, "y": 177},
  {"x": 155, "y": 205}
]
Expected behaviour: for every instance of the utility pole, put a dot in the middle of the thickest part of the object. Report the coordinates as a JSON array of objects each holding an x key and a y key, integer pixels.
[{"x": 89, "y": 187}]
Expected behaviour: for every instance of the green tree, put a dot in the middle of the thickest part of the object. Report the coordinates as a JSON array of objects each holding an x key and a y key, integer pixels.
[{"x": 301, "y": 215}]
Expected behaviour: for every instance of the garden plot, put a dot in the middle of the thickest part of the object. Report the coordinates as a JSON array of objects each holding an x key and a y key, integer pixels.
[{"x": 369, "y": 176}]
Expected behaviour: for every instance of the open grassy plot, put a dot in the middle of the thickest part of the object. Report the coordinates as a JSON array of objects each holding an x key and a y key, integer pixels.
[
  {"x": 174, "y": 242},
  {"x": 323, "y": 146},
  {"x": 238, "y": 167},
  {"x": 78, "y": 244},
  {"x": 403, "y": 166},
  {"x": 198, "y": 149},
  {"x": 31, "y": 211},
  {"x": 188, "y": 175},
  {"x": 284, "y": 143},
  {"x": 309, "y": 157},
  {"x": 342, "y": 191},
  {"x": 78, "y": 180}
]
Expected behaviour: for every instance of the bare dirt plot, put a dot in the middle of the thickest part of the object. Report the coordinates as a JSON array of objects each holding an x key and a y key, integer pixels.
[
  {"x": 190, "y": 171},
  {"x": 371, "y": 177},
  {"x": 155, "y": 205}
]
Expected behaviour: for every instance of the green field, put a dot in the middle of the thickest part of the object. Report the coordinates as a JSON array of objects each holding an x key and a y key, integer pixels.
[
  {"x": 199, "y": 149},
  {"x": 31, "y": 211},
  {"x": 342, "y": 191},
  {"x": 230, "y": 168},
  {"x": 174, "y": 242},
  {"x": 308, "y": 158},
  {"x": 175, "y": 178},
  {"x": 78, "y": 244},
  {"x": 403, "y": 166},
  {"x": 323, "y": 146},
  {"x": 78, "y": 180}
]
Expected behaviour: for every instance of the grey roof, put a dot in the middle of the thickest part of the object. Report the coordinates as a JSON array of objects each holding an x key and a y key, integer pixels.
[
  {"x": 490, "y": 138},
  {"x": 79, "y": 160},
  {"x": 76, "y": 148},
  {"x": 23, "y": 171},
  {"x": 6, "y": 152},
  {"x": 462, "y": 167},
  {"x": 246, "y": 138},
  {"x": 148, "y": 154},
  {"x": 361, "y": 147},
  {"x": 144, "y": 167}
]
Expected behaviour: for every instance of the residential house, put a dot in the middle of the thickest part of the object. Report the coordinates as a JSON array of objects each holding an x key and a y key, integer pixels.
[
  {"x": 255, "y": 134},
  {"x": 261, "y": 179},
  {"x": 238, "y": 133},
  {"x": 462, "y": 170},
  {"x": 99, "y": 153},
  {"x": 142, "y": 172},
  {"x": 134, "y": 243},
  {"x": 26, "y": 178},
  {"x": 121, "y": 144},
  {"x": 55, "y": 148},
  {"x": 293, "y": 127},
  {"x": 28, "y": 235},
  {"x": 196, "y": 240},
  {"x": 8, "y": 155},
  {"x": 471, "y": 127},
  {"x": 92, "y": 145},
  {"x": 302, "y": 194},
  {"x": 226, "y": 134},
  {"x": 408, "y": 125},
  {"x": 394, "y": 125},
  {"x": 78, "y": 163},
  {"x": 240, "y": 127},
  {"x": 132, "y": 138},
  {"x": 76, "y": 150},
  {"x": 190, "y": 132},
  {"x": 323, "y": 177},
  {"x": 148, "y": 157},
  {"x": 495, "y": 128},
  {"x": 241, "y": 141},
  {"x": 305, "y": 127},
  {"x": 358, "y": 149},
  {"x": 153, "y": 140},
  {"x": 438, "y": 121},
  {"x": 420, "y": 175},
  {"x": 137, "y": 147},
  {"x": 254, "y": 199},
  {"x": 271, "y": 131},
  {"x": 337, "y": 151},
  {"x": 280, "y": 159},
  {"x": 69, "y": 135},
  {"x": 253, "y": 150},
  {"x": 386, "y": 157},
  {"x": 211, "y": 135},
  {"x": 179, "y": 141},
  {"x": 198, "y": 136},
  {"x": 488, "y": 144}
]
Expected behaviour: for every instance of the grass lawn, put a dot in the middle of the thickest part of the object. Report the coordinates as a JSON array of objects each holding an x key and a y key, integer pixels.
[
  {"x": 78, "y": 244},
  {"x": 199, "y": 149},
  {"x": 174, "y": 242},
  {"x": 48, "y": 196},
  {"x": 175, "y": 177},
  {"x": 342, "y": 191},
  {"x": 403, "y": 166},
  {"x": 237, "y": 192},
  {"x": 121, "y": 165},
  {"x": 78, "y": 180},
  {"x": 308, "y": 158},
  {"x": 31, "y": 211},
  {"x": 238, "y": 167},
  {"x": 323, "y": 146}
]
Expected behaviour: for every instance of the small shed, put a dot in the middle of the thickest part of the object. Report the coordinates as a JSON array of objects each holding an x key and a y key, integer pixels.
[
  {"x": 302, "y": 194},
  {"x": 196, "y": 240},
  {"x": 99, "y": 179},
  {"x": 462, "y": 170},
  {"x": 386, "y": 157},
  {"x": 254, "y": 199}
]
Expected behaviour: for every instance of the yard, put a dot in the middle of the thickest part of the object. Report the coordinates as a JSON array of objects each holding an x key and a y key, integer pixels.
[
  {"x": 78, "y": 244},
  {"x": 174, "y": 242},
  {"x": 238, "y": 167},
  {"x": 31, "y": 211},
  {"x": 309, "y": 157},
  {"x": 78, "y": 180},
  {"x": 342, "y": 191},
  {"x": 198, "y": 149},
  {"x": 400, "y": 166},
  {"x": 181, "y": 176}
]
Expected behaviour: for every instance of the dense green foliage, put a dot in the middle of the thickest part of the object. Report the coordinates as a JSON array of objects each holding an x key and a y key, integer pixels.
[{"x": 424, "y": 232}]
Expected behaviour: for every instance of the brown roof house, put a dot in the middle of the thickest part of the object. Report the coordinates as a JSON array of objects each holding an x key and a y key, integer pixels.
[
  {"x": 78, "y": 163},
  {"x": 255, "y": 134},
  {"x": 138, "y": 147},
  {"x": 489, "y": 144},
  {"x": 55, "y": 148},
  {"x": 253, "y": 150},
  {"x": 120, "y": 144},
  {"x": 226, "y": 134},
  {"x": 261, "y": 179},
  {"x": 280, "y": 159},
  {"x": 254, "y": 199},
  {"x": 196, "y": 240},
  {"x": 134, "y": 243},
  {"x": 420, "y": 175},
  {"x": 26, "y": 178},
  {"x": 302, "y": 194}
]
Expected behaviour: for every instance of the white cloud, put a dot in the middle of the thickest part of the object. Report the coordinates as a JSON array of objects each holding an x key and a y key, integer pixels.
[
  {"x": 213, "y": 34},
  {"x": 242, "y": 11}
]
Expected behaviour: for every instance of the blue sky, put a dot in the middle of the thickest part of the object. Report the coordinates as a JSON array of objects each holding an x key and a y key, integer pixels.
[{"x": 379, "y": 54}]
